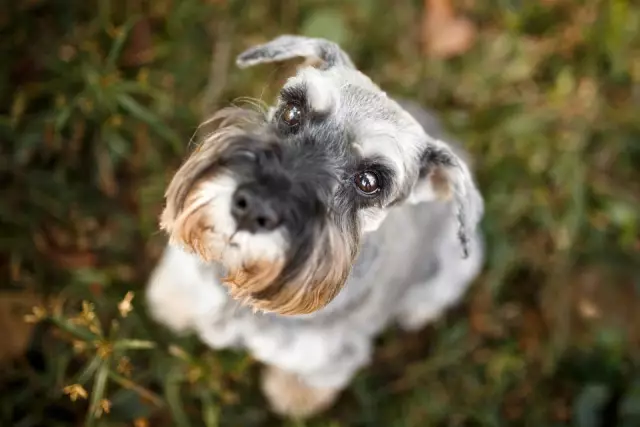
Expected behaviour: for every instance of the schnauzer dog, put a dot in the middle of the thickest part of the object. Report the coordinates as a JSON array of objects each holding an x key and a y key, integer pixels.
[{"x": 300, "y": 232}]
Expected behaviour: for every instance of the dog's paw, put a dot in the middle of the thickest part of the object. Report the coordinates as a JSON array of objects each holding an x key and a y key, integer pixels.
[
  {"x": 288, "y": 396},
  {"x": 414, "y": 320}
]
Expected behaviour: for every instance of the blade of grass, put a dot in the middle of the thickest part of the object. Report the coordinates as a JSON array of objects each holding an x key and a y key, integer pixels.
[
  {"x": 97, "y": 393},
  {"x": 134, "y": 345},
  {"x": 172, "y": 393},
  {"x": 141, "y": 113},
  {"x": 86, "y": 374},
  {"x": 143, "y": 392},
  {"x": 210, "y": 411},
  {"x": 80, "y": 333},
  {"x": 119, "y": 41}
]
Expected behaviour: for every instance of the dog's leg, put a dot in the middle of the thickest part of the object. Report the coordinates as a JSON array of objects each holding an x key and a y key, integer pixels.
[
  {"x": 426, "y": 302},
  {"x": 300, "y": 392},
  {"x": 181, "y": 290},
  {"x": 289, "y": 394}
]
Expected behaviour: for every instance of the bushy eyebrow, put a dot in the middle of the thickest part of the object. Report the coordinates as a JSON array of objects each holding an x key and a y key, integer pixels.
[{"x": 296, "y": 94}]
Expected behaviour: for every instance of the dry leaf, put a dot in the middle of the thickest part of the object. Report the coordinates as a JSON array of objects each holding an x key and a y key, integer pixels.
[
  {"x": 139, "y": 49},
  {"x": 443, "y": 33},
  {"x": 16, "y": 324}
]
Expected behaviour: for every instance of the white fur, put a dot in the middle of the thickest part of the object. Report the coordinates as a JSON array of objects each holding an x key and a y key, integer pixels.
[
  {"x": 235, "y": 246},
  {"x": 426, "y": 302},
  {"x": 323, "y": 96},
  {"x": 179, "y": 294},
  {"x": 371, "y": 218}
]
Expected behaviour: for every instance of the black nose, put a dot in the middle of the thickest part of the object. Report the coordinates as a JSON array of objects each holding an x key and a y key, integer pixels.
[{"x": 254, "y": 211}]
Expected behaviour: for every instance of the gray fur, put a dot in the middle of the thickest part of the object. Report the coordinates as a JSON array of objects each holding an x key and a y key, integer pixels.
[
  {"x": 408, "y": 271},
  {"x": 289, "y": 47}
]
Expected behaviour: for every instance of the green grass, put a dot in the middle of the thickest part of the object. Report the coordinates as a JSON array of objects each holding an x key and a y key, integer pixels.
[{"x": 99, "y": 99}]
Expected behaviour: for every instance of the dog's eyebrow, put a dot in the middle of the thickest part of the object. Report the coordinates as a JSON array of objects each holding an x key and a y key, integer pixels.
[{"x": 296, "y": 94}]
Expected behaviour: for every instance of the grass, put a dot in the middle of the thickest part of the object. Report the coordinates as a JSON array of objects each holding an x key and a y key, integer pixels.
[{"x": 99, "y": 99}]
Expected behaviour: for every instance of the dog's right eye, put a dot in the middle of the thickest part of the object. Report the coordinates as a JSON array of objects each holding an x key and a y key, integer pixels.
[
  {"x": 292, "y": 115},
  {"x": 367, "y": 183}
]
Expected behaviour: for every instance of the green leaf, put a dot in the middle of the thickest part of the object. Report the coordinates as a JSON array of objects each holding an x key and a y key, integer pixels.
[
  {"x": 118, "y": 43},
  {"x": 118, "y": 145},
  {"x": 134, "y": 345},
  {"x": 97, "y": 393},
  {"x": 78, "y": 332},
  {"x": 127, "y": 406},
  {"x": 172, "y": 394},
  {"x": 210, "y": 411},
  {"x": 90, "y": 369},
  {"x": 143, "y": 114}
]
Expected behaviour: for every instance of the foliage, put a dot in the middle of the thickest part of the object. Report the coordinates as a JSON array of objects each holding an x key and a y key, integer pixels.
[{"x": 98, "y": 100}]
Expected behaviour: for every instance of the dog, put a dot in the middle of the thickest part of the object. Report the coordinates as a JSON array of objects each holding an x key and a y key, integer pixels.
[{"x": 300, "y": 231}]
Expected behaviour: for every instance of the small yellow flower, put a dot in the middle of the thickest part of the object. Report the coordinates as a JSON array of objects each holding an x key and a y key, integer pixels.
[
  {"x": 115, "y": 120},
  {"x": 194, "y": 373},
  {"x": 75, "y": 391},
  {"x": 60, "y": 100},
  {"x": 88, "y": 315},
  {"x": 143, "y": 76},
  {"x": 125, "y": 367},
  {"x": 37, "y": 314},
  {"x": 104, "y": 349},
  {"x": 94, "y": 328},
  {"x": 56, "y": 305},
  {"x": 86, "y": 105},
  {"x": 125, "y": 306},
  {"x": 141, "y": 422},
  {"x": 79, "y": 346},
  {"x": 103, "y": 407},
  {"x": 114, "y": 31}
]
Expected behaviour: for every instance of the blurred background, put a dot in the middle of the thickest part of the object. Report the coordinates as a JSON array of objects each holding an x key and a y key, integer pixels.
[{"x": 99, "y": 98}]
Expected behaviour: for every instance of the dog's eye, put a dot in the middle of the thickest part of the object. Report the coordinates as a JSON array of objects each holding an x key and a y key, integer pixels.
[
  {"x": 292, "y": 114},
  {"x": 367, "y": 182}
]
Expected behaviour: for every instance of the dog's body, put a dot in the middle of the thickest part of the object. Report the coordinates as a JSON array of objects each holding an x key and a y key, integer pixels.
[{"x": 408, "y": 268}]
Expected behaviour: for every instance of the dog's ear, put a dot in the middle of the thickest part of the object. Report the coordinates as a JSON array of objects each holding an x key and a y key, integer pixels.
[
  {"x": 445, "y": 176},
  {"x": 287, "y": 47}
]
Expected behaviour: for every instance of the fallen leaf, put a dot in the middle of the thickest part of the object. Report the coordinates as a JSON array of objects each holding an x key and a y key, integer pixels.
[
  {"x": 14, "y": 306},
  {"x": 139, "y": 49},
  {"x": 443, "y": 33}
]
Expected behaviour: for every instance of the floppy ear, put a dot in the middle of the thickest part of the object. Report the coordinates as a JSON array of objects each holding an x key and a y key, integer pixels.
[
  {"x": 445, "y": 176},
  {"x": 287, "y": 47}
]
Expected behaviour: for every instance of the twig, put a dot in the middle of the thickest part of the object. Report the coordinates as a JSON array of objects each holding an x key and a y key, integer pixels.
[
  {"x": 143, "y": 392},
  {"x": 220, "y": 60}
]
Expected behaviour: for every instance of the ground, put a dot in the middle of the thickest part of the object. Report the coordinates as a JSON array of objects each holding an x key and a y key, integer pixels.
[{"x": 98, "y": 102}]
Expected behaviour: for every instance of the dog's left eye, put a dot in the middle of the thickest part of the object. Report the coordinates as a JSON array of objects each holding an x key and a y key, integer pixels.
[
  {"x": 367, "y": 182},
  {"x": 292, "y": 114}
]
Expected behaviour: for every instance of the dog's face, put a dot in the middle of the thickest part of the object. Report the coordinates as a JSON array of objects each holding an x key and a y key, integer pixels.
[{"x": 282, "y": 198}]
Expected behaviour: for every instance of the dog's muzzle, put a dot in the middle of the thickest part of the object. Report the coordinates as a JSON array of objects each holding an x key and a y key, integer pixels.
[{"x": 253, "y": 207}]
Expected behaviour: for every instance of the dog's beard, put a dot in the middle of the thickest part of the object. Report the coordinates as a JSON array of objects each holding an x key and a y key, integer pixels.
[
  {"x": 263, "y": 270},
  {"x": 205, "y": 227}
]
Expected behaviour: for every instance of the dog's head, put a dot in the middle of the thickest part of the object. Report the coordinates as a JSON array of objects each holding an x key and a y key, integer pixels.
[{"x": 281, "y": 198}]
